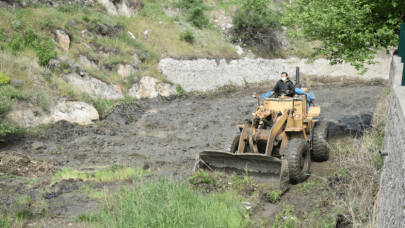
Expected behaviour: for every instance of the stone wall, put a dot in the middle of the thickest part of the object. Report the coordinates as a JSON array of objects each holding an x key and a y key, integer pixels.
[
  {"x": 392, "y": 188},
  {"x": 207, "y": 74}
]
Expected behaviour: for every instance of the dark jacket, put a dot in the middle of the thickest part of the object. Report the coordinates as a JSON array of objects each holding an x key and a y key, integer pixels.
[{"x": 286, "y": 87}]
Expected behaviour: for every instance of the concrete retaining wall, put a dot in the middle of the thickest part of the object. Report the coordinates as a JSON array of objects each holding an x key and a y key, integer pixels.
[
  {"x": 206, "y": 74},
  {"x": 392, "y": 189}
]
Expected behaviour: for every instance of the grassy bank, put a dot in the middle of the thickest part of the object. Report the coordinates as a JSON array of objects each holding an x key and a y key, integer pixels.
[{"x": 348, "y": 196}]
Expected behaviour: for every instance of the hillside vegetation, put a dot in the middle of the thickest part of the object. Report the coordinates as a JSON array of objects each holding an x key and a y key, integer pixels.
[{"x": 37, "y": 60}]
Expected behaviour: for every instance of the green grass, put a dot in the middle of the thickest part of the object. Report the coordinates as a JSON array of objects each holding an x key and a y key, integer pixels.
[
  {"x": 105, "y": 106},
  {"x": 167, "y": 203},
  {"x": 202, "y": 177},
  {"x": 114, "y": 172},
  {"x": 275, "y": 195}
]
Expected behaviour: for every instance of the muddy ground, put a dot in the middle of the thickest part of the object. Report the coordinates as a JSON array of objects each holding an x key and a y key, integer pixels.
[{"x": 163, "y": 136}]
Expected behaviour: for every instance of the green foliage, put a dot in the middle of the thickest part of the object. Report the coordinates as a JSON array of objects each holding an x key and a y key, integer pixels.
[
  {"x": 167, "y": 203},
  {"x": 187, "y": 36},
  {"x": 180, "y": 91},
  {"x": 23, "y": 214},
  {"x": 45, "y": 51},
  {"x": 7, "y": 96},
  {"x": 275, "y": 195},
  {"x": 350, "y": 31},
  {"x": 255, "y": 24},
  {"x": 343, "y": 172},
  {"x": 8, "y": 127},
  {"x": 4, "y": 79},
  {"x": 285, "y": 219},
  {"x": 43, "y": 46},
  {"x": 196, "y": 12},
  {"x": 16, "y": 43},
  {"x": 88, "y": 217},
  {"x": 4, "y": 223},
  {"x": 202, "y": 177},
  {"x": 104, "y": 106},
  {"x": 70, "y": 9},
  {"x": 42, "y": 100}
]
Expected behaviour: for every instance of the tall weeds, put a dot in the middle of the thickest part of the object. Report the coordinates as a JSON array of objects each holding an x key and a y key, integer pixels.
[{"x": 357, "y": 181}]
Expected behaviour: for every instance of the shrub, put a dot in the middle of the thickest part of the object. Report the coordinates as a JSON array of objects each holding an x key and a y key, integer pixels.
[
  {"x": 31, "y": 38},
  {"x": 16, "y": 43},
  {"x": 70, "y": 9},
  {"x": 10, "y": 92},
  {"x": 187, "y": 36},
  {"x": 43, "y": 46},
  {"x": 42, "y": 100},
  {"x": 7, "y": 127},
  {"x": 45, "y": 51},
  {"x": 4, "y": 80},
  {"x": 47, "y": 74},
  {"x": 196, "y": 14},
  {"x": 255, "y": 24},
  {"x": 180, "y": 91}
]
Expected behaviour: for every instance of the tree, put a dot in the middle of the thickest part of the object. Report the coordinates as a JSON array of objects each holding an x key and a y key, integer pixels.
[{"x": 350, "y": 31}]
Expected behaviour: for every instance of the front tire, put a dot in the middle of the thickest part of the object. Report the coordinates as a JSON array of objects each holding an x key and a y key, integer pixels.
[
  {"x": 320, "y": 149},
  {"x": 299, "y": 160},
  {"x": 235, "y": 144}
]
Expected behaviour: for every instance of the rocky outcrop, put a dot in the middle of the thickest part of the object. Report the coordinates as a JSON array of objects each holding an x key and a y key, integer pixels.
[
  {"x": 63, "y": 39},
  {"x": 123, "y": 8},
  {"x": 84, "y": 61},
  {"x": 111, "y": 8},
  {"x": 75, "y": 112},
  {"x": 120, "y": 8},
  {"x": 26, "y": 115},
  {"x": 207, "y": 74},
  {"x": 95, "y": 87},
  {"x": 148, "y": 87},
  {"x": 125, "y": 70}
]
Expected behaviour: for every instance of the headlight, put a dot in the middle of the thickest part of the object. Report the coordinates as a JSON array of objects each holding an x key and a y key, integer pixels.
[{"x": 297, "y": 115}]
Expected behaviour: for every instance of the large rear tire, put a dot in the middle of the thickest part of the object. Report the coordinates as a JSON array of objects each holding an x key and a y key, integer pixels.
[
  {"x": 320, "y": 149},
  {"x": 299, "y": 160}
]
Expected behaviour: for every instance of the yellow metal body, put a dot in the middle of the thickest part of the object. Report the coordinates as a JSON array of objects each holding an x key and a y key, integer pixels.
[
  {"x": 263, "y": 141},
  {"x": 275, "y": 123}
]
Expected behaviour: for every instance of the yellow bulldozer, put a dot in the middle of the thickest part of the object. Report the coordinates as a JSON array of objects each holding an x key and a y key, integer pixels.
[{"x": 276, "y": 145}]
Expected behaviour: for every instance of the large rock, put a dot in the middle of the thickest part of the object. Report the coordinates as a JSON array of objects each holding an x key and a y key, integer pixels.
[
  {"x": 95, "y": 87},
  {"x": 84, "y": 61},
  {"x": 123, "y": 8},
  {"x": 26, "y": 115},
  {"x": 120, "y": 8},
  {"x": 149, "y": 88},
  {"x": 75, "y": 112},
  {"x": 111, "y": 8},
  {"x": 125, "y": 70},
  {"x": 63, "y": 39}
]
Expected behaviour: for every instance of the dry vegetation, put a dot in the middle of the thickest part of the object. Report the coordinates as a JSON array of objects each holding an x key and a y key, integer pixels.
[{"x": 357, "y": 181}]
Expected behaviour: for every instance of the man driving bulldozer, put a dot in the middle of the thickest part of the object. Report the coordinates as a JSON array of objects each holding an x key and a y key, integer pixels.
[{"x": 283, "y": 87}]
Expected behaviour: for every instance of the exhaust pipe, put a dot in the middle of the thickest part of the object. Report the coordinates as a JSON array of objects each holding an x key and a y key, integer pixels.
[{"x": 297, "y": 78}]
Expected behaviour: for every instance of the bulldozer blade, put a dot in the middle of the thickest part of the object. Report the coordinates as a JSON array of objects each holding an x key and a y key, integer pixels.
[{"x": 262, "y": 168}]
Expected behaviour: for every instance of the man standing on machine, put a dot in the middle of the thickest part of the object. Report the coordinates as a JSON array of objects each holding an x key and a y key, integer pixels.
[{"x": 284, "y": 87}]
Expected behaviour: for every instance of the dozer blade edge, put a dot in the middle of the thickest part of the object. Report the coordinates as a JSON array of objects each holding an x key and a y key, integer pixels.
[{"x": 262, "y": 168}]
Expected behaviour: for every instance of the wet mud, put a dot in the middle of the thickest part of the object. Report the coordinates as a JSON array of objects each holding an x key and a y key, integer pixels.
[{"x": 163, "y": 136}]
